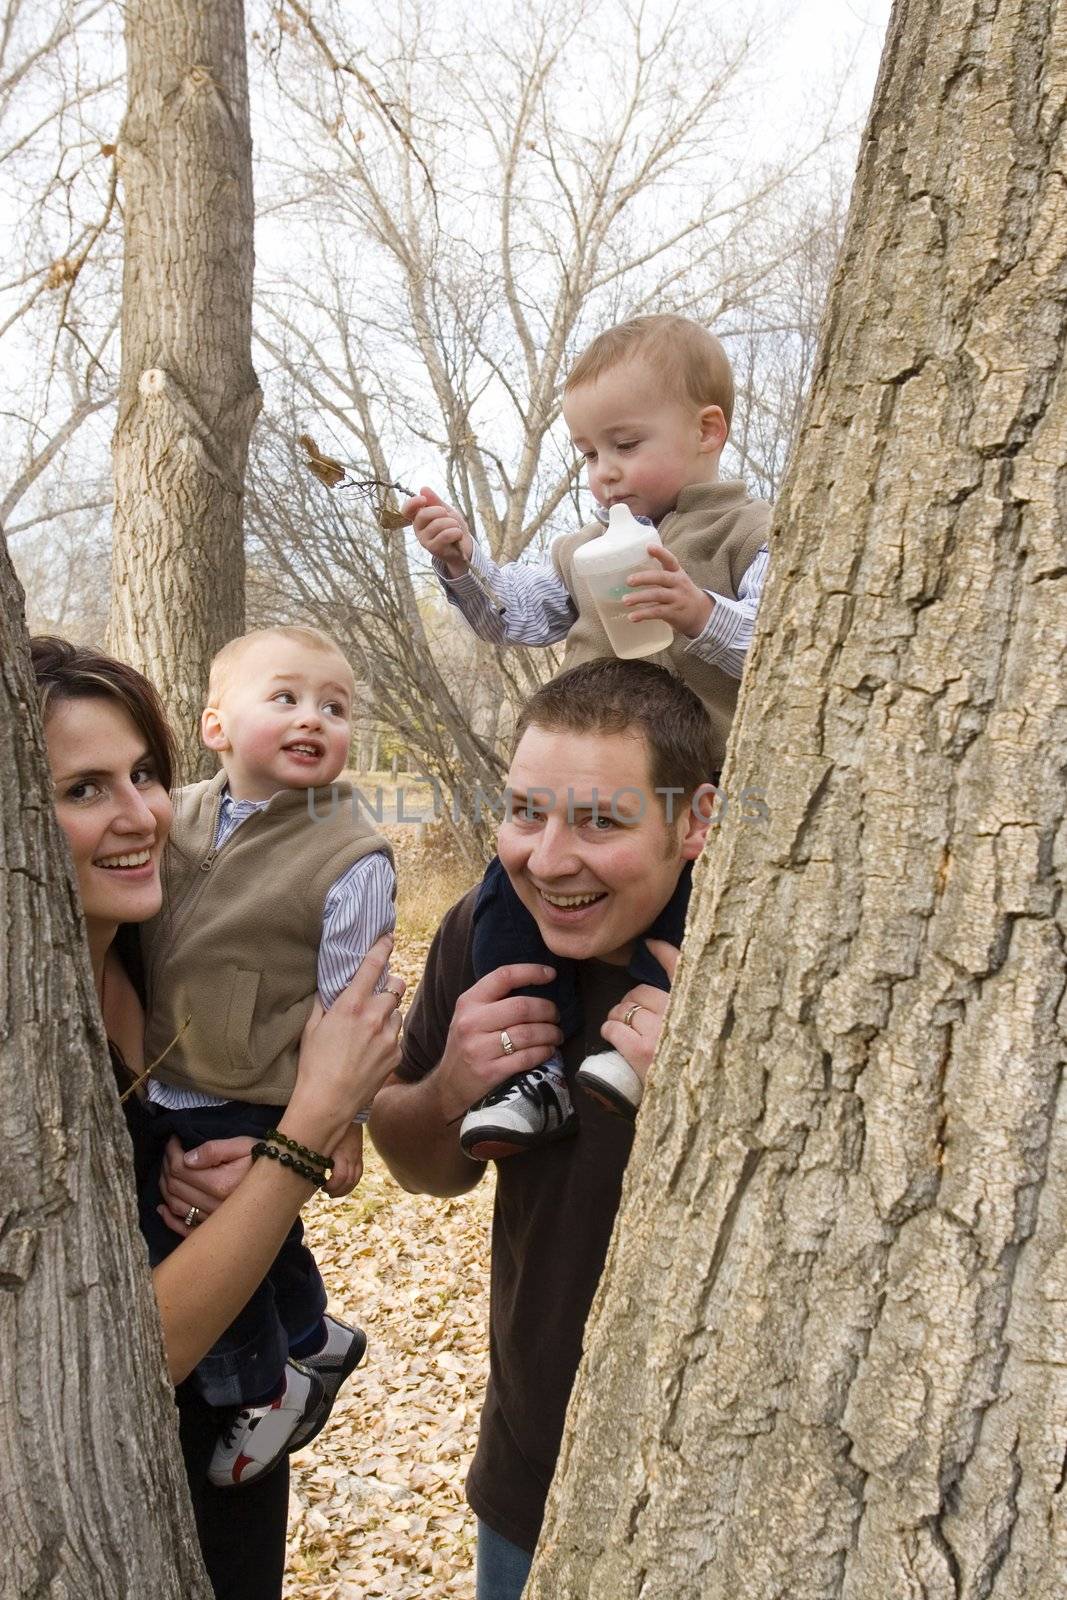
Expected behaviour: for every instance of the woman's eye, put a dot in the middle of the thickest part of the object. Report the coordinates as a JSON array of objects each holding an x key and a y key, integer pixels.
[
  {"x": 143, "y": 776},
  {"x": 83, "y": 791}
]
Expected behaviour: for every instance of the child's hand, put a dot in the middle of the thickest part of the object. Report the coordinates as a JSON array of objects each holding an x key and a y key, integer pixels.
[
  {"x": 441, "y": 530},
  {"x": 347, "y": 1162},
  {"x": 667, "y": 594}
]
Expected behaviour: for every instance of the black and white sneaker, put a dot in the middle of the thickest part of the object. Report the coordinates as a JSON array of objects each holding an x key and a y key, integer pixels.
[
  {"x": 532, "y": 1108},
  {"x": 339, "y": 1357},
  {"x": 609, "y": 1078},
  {"x": 259, "y": 1436}
]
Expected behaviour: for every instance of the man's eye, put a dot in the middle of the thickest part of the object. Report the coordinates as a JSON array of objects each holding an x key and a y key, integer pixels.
[{"x": 601, "y": 824}]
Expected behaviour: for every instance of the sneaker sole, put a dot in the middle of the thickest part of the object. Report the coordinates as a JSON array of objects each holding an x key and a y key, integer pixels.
[
  {"x": 608, "y": 1097},
  {"x": 356, "y": 1352},
  {"x": 493, "y": 1144}
]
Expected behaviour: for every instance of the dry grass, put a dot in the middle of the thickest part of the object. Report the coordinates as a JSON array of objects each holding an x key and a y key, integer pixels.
[{"x": 377, "y": 1505}]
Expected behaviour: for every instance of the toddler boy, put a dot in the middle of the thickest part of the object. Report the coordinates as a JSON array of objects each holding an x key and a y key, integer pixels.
[
  {"x": 275, "y": 891},
  {"x": 649, "y": 405}
]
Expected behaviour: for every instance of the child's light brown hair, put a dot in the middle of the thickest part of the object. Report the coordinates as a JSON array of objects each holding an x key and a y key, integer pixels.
[
  {"x": 227, "y": 659},
  {"x": 687, "y": 357}
]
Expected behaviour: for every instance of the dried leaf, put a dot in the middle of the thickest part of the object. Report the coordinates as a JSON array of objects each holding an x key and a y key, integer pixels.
[{"x": 325, "y": 468}]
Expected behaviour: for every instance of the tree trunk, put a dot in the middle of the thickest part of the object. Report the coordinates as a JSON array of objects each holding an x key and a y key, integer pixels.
[
  {"x": 189, "y": 394},
  {"x": 94, "y": 1497},
  {"x": 828, "y": 1357}
]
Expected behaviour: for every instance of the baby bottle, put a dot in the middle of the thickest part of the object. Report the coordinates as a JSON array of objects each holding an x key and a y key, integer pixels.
[{"x": 605, "y": 563}]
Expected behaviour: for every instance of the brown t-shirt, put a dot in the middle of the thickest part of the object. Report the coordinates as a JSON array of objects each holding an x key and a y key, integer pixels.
[{"x": 555, "y": 1209}]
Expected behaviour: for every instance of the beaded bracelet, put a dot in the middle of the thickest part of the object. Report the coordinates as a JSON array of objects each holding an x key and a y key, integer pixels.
[
  {"x": 298, "y": 1149},
  {"x": 284, "y": 1159}
]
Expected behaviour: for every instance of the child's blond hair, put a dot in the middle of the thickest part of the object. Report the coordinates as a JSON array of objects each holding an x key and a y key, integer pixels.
[
  {"x": 687, "y": 357},
  {"x": 228, "y": 658}
]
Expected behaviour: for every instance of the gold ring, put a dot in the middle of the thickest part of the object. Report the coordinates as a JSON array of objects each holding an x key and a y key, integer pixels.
[
  {"x": 627, "y": 1020},
  {"x": 505, "y": 1042}
]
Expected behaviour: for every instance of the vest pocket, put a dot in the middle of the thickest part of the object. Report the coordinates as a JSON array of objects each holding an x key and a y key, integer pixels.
[{"x": 240, "y": 1017}]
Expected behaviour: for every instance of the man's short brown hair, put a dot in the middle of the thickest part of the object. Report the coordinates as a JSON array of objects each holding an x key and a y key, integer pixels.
[
  {"x": 611, "y": 696},
  {"x": 690, "y": 360},
  {"x": 225, "y": 662}
]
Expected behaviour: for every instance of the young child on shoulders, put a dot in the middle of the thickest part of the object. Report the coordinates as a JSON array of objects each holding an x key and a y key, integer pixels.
[
  {"x": 274, "y": 894},
  {"x": 649, "y": 406}
]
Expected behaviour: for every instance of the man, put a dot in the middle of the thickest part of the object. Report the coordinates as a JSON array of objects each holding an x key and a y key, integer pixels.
[{"x": 607, "y": 809}]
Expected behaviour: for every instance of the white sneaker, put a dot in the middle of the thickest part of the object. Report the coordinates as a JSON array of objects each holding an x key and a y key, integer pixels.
[
  {"x": 259, "y": 1436},
  {"x": 532, "y": 1108},
  {"x": 609, "y": 1078}
]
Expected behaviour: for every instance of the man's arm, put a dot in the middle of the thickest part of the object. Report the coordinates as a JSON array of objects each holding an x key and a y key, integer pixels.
[{"x": 415, "y": 1140}]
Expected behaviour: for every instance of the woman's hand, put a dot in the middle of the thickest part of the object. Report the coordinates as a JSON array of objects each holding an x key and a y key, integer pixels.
[
  {"x": 202, "y": 1178},
  {"x": 347, "y": 1164},
  {"x": 346, "y": 1054},
  {"x": 637, "y": 1039}
]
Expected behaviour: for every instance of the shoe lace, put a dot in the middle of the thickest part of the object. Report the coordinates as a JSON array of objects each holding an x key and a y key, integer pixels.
[{"x": 534, "y": 1085}]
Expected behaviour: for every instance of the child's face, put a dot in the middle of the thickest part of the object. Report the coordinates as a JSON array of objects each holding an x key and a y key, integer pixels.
[
  {"x": 283, "y": 719},
  {"x": 642, "y": 446}
]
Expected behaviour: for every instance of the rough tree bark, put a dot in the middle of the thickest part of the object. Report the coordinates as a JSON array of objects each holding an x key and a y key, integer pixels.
[
  {"x": 829, "y": 1357},
  {"x": 189, "y": 394},
  {"x": 93, "y": 1497}
]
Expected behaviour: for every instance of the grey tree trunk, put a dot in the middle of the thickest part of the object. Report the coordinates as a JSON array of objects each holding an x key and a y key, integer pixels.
[
  {"x": 829, "y": 1354},
  {"x": 94, "y": 1498},
  {"x": 189, "y": 394}
]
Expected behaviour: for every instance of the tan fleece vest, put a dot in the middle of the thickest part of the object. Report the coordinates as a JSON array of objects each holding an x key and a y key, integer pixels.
[
  {"x": 236, "y": 947},
  {"x": 715, "y": 531}
]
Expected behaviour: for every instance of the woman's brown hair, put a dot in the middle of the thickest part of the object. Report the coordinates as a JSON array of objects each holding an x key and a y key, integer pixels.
[{"x": 66, "y": 671}]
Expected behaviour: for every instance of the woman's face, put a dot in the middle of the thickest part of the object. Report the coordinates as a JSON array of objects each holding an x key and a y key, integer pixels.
[{"x": 112, "y": 807}]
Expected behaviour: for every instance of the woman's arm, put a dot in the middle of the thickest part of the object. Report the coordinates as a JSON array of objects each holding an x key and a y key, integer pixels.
[{"x": 345, "y": 1056}]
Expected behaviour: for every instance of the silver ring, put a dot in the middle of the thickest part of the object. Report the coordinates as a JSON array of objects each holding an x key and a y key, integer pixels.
[
  {"x": 193, "y": 1217},
  {"x": 505, "y": 1042},
  {"x": 627, "y": 1020},
  {"x": 397, "y": 994}
]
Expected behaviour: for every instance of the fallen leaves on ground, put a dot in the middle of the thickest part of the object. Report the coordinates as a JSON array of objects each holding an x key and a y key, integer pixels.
[{"x": 377, "y": 1505}]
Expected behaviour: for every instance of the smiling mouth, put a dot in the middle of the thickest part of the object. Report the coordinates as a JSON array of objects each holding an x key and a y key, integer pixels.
[
  {"x": 570, "y": 902},
  {"x": 133, "y": 858},
  {"x": 303, "y": 749}
]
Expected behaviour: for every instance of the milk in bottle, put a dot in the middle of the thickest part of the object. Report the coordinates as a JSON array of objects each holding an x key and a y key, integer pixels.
[{"x": 605, "y": 563}]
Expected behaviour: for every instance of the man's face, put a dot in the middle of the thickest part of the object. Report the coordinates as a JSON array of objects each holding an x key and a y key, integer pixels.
[
  {"x": 592, "y": 882},
  {"x": 283, "y": 719},
  {"x": 642, "y": 447}
]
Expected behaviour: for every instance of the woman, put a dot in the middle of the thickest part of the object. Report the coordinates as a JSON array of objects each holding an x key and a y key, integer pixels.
[{"x": 111, "y": 755}]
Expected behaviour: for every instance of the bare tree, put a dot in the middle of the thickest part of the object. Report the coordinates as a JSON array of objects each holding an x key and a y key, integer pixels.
[
  {"x": 95, "y": 1498},
  {"x": 189, "y": 394},
  {"x": 827, "y": 1357},
  {"x": 497, "y": 224}
]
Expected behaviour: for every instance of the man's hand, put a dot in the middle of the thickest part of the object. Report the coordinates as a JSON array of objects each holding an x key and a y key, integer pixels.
[
  {"x": 665, "y": 593},
  {"x": 347, "y": 1162},
  {"x": 474, "y": 1059},
  {"x": 637, "y": 1039},
  {"x": 202, "y": 1177},
  {"x": 441, "y": 530}
]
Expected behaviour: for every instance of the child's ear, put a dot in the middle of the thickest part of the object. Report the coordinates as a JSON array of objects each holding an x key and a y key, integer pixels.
[
  {"x": 713, "y": 429},
  {"x": 212, "y": 733}
]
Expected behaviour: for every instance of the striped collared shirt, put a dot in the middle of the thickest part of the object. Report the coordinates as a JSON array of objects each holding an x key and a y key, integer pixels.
[{"x": 530, "y": 604}]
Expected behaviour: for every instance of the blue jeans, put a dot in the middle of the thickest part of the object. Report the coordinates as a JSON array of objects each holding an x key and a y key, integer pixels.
[{"x": 502, "y": 1568}]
